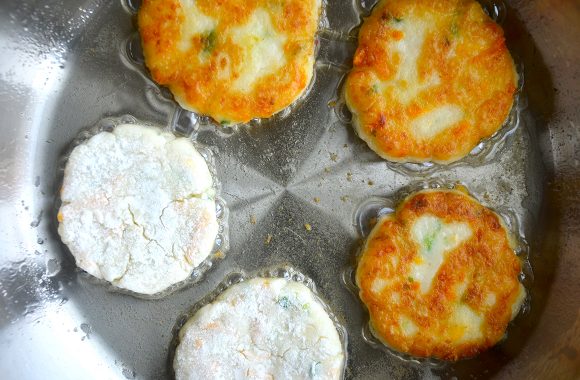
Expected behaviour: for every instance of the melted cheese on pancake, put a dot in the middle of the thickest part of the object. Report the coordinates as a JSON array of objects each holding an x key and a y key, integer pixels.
[
  {"x": 435, "y": 239},
  {"x": 196, "y": 23},
  {"x": 260, "y": 329},
  {"x": 430, "y": 80},
  {"x": 430, "y": 124},
  {"x": 233, "y": 61},
  {"x": 440, "y": 276},
  {"x": 407, "y": 84},
  {"x": 263, "y": 49}
]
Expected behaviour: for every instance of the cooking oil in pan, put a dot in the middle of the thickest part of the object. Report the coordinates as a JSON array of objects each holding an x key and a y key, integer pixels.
[{"x": 285, "y": 175}]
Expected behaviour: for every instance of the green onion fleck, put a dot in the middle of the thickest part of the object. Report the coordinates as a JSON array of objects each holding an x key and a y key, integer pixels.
[
  {"x": 454, "y": 29},
  {"x": 209, "y": 41},
  {"x": 284, "y": 302},
  {"x": 455, "y": 22},
  {"x": 428, "y": 241}
]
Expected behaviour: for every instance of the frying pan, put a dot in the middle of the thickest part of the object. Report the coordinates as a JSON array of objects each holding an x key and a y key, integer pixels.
[{"x": 68, "y": 65}]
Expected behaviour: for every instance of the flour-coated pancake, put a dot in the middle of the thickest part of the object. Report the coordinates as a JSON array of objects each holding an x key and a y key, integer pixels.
[
  {"x": 262, "y": 328},
  {"x": 138, "y": 208}
]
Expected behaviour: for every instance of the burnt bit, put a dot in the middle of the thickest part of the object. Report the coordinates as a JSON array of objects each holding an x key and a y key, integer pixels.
[
  {"x": 493, "y": 223},
  {"x": 387, "y": 17},
  {"x": 379, "y": 124},
  {"x": 382, "y": 121},
  {"x": 419, "y": 203}
]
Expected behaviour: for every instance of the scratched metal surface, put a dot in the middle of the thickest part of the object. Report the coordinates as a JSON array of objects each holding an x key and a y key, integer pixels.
[{"x": 68, "y": 64}]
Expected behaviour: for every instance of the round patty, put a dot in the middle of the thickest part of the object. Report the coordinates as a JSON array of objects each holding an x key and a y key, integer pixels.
[
  {"x": 260, "y": 329},
  {"x": 431, "y": 79},
  {"x": 232, "y": 60},
  {"x": 138, "y": 208},
  {"x": 440, "y": 276}
]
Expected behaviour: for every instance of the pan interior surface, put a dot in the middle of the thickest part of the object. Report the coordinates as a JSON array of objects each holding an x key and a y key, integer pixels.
[{"x": 292, "y": 185}]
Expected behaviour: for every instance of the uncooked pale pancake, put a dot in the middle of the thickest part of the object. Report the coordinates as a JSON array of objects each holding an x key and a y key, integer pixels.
[
  {"x": 431, "y": 79},
  {"x": 260, "y": 329},
  {"x": 440, "y": 276},
  {"x": 138, "y": 208},
  {"x": 231, "y": 60}
]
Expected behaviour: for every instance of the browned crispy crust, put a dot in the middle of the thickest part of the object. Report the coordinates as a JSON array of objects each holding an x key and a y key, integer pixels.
[
  {"x": 486, "y": 261},
  {"x": 196, "y": 84},
  {"x": 465, "y": 49}
]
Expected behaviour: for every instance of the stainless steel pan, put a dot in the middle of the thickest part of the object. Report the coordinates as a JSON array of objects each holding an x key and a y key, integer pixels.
[{"x": 65, "y": 65}]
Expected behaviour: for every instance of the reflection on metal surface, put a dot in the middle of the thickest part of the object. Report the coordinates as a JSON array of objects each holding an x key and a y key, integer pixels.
[{"x": 65, "y": 66}]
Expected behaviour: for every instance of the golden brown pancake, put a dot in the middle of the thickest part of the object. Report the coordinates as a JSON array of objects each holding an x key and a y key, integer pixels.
[
  {"x": 431, "y": 79},
  {"x": 231, "y": 60},
  {"x": 440, "y": 276}
]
